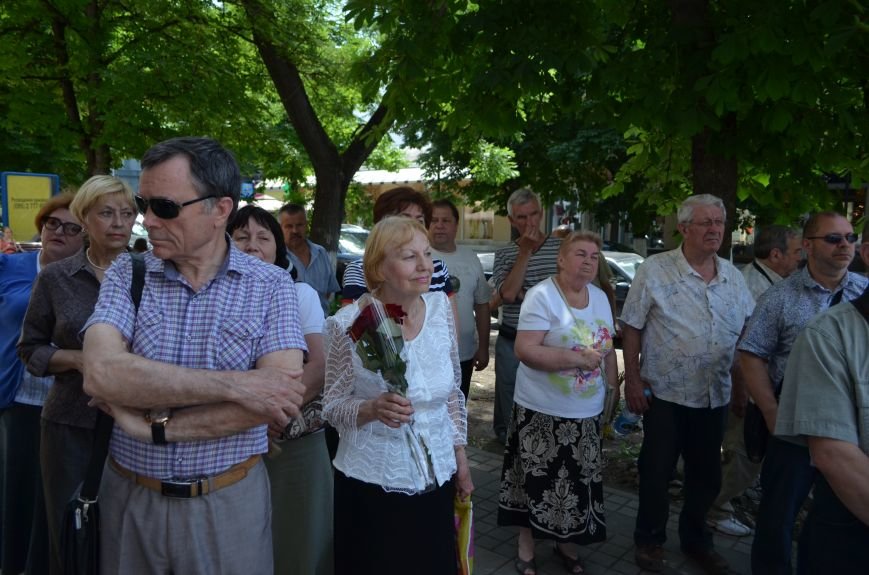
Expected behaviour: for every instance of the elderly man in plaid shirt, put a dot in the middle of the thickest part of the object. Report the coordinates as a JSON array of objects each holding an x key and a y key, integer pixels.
[{"x": 213, "y": 355}]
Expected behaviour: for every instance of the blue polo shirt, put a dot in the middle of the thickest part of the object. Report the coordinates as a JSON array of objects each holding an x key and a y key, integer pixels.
[
  {"x": 319, "y": 274},
  {"x": 17, "y": 272}
]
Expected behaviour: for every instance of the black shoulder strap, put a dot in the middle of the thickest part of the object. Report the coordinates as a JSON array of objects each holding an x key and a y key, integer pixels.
[
  {"x": 138, "y": 283},
  {"x": 862, "y": 303},
  {"x": 103, "y": 431},
  {"x": 762, "y": 272}
]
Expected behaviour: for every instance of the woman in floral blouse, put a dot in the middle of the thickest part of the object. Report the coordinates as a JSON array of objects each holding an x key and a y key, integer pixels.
[{"x": 551, "y": 484}]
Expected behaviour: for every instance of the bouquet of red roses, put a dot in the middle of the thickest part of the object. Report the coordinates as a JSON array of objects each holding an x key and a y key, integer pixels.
[{"x": 377, "y": 334}]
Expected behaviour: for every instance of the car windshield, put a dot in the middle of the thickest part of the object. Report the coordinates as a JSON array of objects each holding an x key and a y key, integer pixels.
[
  {"x": 629, "y": 264},
  {"x": 353, "y": 242}
]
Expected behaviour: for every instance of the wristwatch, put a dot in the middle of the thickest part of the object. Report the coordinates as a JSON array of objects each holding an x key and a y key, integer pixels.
[{"x": 158, "y": 418}]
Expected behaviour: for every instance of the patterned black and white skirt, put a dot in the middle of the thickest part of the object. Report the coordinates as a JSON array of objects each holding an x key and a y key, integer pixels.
[{"x": 552, "y": 478}]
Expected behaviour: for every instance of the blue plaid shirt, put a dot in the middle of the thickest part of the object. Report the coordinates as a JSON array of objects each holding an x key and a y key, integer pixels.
[
  {"x": 783, "y": 311},
  {"x": 247, "y": 311}
]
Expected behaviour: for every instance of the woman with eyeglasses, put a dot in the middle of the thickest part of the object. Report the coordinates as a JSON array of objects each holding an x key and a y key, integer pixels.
[
  {"x": 63, "y": 298},
  {"x": 24, "y": 542},
  {"x": 300, "y": 470}
]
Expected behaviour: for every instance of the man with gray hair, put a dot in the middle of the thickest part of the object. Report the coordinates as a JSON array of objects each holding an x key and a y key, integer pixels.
[
  {"x": 684, "y": 311},
  {"x": 192, "y": 377},
  {"x": 527, "y": 261},
  {"x": 777, "y": 253}
]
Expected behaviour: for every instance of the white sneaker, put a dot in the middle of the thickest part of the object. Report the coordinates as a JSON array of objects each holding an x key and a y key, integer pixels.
[{"x": 730, "y": 525}]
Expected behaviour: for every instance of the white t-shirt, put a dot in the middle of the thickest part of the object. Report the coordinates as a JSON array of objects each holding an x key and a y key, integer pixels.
[
  {"x": 310, "y": 312},
  {"x": 464, "y": 266},
  {"x": 571, "y": 393}
]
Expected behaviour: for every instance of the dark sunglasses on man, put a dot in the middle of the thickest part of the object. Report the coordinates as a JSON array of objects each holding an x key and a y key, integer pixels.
[
  {"x": 836, "y": 239},
  {"x": 164, "y": 208},
  {"x": 69, "y": 228}
]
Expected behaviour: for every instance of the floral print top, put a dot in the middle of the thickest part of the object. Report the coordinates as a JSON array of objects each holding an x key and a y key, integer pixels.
[{"x": 572, "y": 393}]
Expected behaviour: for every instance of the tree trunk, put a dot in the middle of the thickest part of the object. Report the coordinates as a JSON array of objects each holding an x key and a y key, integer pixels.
[
  {"x": 334, "y": 170},
  {"x": 716, "y": 174},
  {"x": 714, "y": 171}
]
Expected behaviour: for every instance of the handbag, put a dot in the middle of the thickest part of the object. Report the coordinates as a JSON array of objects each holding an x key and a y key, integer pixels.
[
  {"x": 755, "y": 433},
  {"x": 463, "y": 514},
  {"x": 80, "y": 529}
]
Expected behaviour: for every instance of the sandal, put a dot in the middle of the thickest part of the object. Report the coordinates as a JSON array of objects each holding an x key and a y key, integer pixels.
[
  {"x": 522, "y": 567},
  {"x": 571, "y": 564}
]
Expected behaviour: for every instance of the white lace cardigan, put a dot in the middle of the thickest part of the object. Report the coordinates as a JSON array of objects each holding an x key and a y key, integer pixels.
[{"x": 378, "y": 454}]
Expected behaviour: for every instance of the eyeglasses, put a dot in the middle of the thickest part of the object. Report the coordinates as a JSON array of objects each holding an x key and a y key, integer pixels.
[
  {"x": 710, "y": 223},
  {"x": 836, "y": 239},
  {"x": 164, "y": 208},
  {"x": 69, "y": 228}
]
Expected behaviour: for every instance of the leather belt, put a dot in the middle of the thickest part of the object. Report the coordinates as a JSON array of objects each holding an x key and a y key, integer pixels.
[{"x": 185, "y": 489}]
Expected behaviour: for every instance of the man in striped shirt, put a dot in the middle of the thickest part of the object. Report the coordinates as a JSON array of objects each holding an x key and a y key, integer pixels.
[
  {"x": 527, "y": 261},
  {"x": 213, "y": 355}
]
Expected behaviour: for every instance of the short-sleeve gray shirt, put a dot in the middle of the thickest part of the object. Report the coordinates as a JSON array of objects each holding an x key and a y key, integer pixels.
[{"x": 826, "y": 391}]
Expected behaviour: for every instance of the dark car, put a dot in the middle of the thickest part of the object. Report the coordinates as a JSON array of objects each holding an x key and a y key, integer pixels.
[{"x": 351, "y": 247}]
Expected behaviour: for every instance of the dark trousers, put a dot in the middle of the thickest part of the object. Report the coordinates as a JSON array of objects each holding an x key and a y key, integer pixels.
[
  {"x": 22, "y": 507},
  {"x": 833, "y": 540},
  {"x": 391, "y": 533},
  {"x": 786, "y": 479},
  {"x": 506, "y": 365},
  {"x": 668, "y": 430},
  {"x": 64, "y": 452},
  {"x": 467, "y": 370}
]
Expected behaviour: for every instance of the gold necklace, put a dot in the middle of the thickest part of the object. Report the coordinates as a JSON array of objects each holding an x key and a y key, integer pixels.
[{"x": 87, "y": 254}]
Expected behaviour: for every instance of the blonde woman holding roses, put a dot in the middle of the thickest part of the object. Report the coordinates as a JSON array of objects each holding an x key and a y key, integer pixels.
[
  {"x": 551, "y": 484},
  {"x": 401, "y": 459}
]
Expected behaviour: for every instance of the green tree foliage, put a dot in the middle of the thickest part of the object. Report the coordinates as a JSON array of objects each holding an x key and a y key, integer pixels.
[
  {"x": 752, "y": 101},
  {"x": 88, "y": 83}
]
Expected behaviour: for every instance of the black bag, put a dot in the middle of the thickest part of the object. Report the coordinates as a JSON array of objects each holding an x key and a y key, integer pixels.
[
  {"x": 80, "y": 530},
  {"x": 755, "y": 433}
]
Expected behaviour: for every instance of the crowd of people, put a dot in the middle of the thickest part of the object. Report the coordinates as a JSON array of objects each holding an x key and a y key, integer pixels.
[{"x": 253, "y": 432}]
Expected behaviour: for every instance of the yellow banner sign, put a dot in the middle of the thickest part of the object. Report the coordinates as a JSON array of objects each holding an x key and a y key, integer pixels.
[{"x": 23, "y": 195}]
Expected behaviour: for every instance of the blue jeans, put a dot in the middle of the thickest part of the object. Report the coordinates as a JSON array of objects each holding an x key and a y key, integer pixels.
[
  {"x": 506, "y": 365},
  {"x": 670, "y": 429},
  {"x": 786, "y": 479}
]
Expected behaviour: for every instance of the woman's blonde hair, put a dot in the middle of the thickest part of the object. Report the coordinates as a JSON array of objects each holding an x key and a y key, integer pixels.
[
  {"x": 96, "y": 187},
  {"x": 388, "y": 232},
  {"x": 579, "y": 236}
]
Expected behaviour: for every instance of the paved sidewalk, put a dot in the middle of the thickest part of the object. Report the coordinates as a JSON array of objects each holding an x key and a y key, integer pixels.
[{"x": 496, "y": 546}]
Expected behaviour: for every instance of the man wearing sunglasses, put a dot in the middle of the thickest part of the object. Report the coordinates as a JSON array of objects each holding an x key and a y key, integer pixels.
[
  {"x": 825, "y": 398},
  {"x": 780, "y": 315},
  {"x": 213, "y": 355}
]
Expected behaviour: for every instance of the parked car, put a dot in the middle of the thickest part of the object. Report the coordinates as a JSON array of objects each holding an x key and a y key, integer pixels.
[
  {"x": 139, "y": 231},
  {"x": 623, "y": 267},
  {"x": 351, "y": 247},
  {"x": 609, "y": 246},
  {"x": 487, "y": 260}
]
